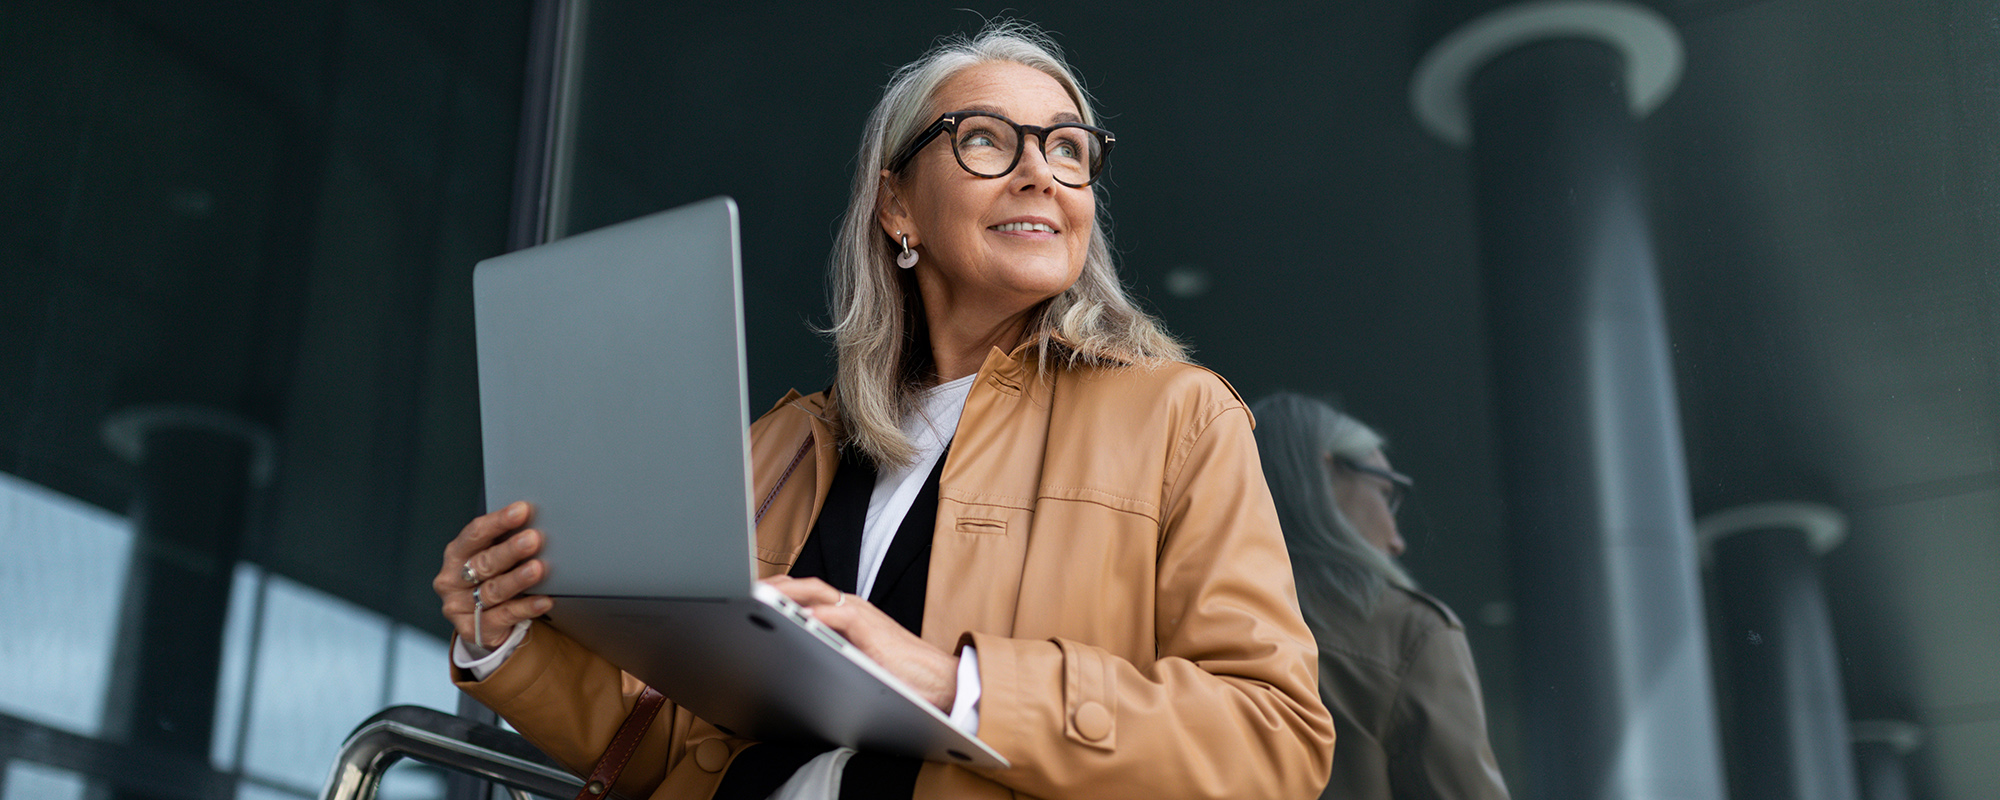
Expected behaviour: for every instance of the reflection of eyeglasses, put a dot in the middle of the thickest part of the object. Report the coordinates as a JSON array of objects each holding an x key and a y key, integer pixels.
[
  {"x": 1399, "y": 485},
  {"x": 990, "y": 145}
]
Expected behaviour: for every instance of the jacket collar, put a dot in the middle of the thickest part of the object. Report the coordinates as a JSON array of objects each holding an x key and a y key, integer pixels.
[
  {"x": 1011, "y": 372},
  {"x": 1014, "y": 372}
]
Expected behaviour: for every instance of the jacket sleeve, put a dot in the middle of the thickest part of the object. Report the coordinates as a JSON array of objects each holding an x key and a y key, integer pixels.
[
  {"x": 1436, "y": 739},
  {"x": 570, "y": 702},
  {"x": 1228, "y": 709}
]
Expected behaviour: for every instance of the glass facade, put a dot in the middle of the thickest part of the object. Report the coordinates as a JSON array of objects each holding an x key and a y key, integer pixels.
[
  {"x": 238, "y": 424},
  {"x": 57, "y": 668},
  {"x": 237, "y": 406}
]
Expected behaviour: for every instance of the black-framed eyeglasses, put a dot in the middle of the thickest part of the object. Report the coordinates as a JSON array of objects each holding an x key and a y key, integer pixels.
[
  {"x": 1399, "y": 485},
  {"x": 989, "y": 145}
]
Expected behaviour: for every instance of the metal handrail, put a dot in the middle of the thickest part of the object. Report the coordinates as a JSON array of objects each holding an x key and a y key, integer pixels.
[{"x": 446, "y": 741}]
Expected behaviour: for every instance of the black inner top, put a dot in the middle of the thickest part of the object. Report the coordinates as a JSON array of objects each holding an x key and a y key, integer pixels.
[{"x": 832, "y": 553}]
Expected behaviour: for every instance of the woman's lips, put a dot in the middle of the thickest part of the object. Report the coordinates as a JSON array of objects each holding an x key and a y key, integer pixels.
[{"x": 1024, "y": 227}]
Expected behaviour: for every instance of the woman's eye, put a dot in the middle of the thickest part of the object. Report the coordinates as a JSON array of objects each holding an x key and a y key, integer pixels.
[
  {"x": 979, "y": 139},
  {"x": 1067, "y": 150}
]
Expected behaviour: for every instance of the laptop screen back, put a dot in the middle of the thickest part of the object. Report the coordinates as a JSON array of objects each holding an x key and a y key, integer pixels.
[{"x": 612, "y": 396}]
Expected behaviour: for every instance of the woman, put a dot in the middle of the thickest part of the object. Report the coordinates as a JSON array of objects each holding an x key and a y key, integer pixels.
[
  {"x": 1092, "y": 578},
  {"x": 1394, "y": 666}
]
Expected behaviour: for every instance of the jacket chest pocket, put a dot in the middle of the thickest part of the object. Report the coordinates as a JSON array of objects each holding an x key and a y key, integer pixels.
[
  {"x": 984, "y": 520},
  {"x": 988, "y": 524},
  {"x": 977, "y": 554}
]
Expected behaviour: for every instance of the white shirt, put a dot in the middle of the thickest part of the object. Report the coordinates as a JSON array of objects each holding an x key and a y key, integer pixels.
[{"x": 930, "y": 427}]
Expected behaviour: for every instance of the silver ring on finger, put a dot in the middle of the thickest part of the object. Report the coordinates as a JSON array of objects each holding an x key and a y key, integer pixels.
[
  {"x": 842, "y": 601},
  {"x": 471, "y": 578}
]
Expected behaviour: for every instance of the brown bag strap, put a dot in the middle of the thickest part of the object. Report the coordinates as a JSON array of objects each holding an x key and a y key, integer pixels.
[{"x": 613, "y": 761}]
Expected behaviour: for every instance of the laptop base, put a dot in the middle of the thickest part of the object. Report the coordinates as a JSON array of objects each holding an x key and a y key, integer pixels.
[{"x": 763, "y": 672}]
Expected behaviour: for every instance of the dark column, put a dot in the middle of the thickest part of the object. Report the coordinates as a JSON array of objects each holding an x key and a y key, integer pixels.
[
  {"x": 1881, "y": 750},
  {"x": 196, "y": 469},
  {"x": 1618, "y": 695},
  {"x": 1788, "y": 737}
]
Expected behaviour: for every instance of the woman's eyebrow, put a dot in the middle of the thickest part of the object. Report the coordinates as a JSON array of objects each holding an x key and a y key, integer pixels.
[{"x": 1060, "y": 117}]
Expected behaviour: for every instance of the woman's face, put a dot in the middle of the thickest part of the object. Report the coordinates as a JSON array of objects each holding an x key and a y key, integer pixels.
[
  {"x": 1364, "y": 499},
  {"x": 999, "y": 244}
]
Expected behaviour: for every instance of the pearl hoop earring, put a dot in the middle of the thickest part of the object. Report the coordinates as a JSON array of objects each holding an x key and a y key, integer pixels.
[{"x": 907, "y": 258}]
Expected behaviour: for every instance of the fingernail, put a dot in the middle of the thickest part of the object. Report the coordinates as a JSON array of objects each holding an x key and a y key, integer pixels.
[
  {"x": 542, "y": 605},
  {"x": 515, "y": 510}
]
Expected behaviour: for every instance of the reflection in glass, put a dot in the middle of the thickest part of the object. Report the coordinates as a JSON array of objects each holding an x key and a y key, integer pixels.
[
  {"x": 57, "y": 556},
  {"x": 319, "y": 670},
  {"x": 30, "y": 781},
  {"x": 321, "y": 663},
  {"x": 301, "y": 713},
  {"x": 254, "y": 791},
  {"x": 418, "y": 675},
  {"x": 409, "y": 780},
  {"x": 233, "y": 682}
]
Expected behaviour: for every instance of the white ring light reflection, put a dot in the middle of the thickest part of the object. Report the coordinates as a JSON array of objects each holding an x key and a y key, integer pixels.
[{"x": 1647, "y": 41}]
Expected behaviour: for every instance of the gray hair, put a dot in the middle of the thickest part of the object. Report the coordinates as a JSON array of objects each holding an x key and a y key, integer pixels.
[
  {"x": 877, "y": 325},
  {"x": 1331, "y": 562}
]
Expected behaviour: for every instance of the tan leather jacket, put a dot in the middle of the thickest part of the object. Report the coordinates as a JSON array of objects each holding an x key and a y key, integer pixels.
[{"x": 1104, "y": 538}]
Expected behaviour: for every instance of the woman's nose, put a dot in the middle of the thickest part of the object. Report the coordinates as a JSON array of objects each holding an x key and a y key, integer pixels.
[{"x": 1034, "y": 170}]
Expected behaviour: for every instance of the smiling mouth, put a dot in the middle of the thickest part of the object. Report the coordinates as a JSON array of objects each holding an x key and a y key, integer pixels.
[{"x": 1023, "y": 226}]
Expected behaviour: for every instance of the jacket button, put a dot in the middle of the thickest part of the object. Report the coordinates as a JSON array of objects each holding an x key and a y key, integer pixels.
[
  {"x": 1092, "y": 720},
  {"x": 711, "y": 755}
]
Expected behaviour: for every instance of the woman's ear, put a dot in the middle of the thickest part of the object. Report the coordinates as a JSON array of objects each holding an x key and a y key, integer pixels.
[{"x": 890, "y": 213}]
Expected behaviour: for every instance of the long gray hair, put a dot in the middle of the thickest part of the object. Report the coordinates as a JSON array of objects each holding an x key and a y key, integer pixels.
[
  {"x": 1331, "y": 562},
  {"x": 884, "y": 363}
]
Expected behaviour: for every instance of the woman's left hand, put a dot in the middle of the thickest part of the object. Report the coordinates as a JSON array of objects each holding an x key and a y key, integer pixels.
[{"x": 931, "y": 672}]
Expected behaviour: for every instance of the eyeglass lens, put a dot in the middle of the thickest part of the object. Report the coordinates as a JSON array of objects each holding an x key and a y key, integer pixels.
[
  {"x": 1395, "y": 488},
  {"x": 990, "y": 147}
]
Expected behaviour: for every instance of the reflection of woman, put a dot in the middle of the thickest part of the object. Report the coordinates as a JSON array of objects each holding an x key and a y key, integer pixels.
[
  {"x": 1393, "y": 662},
  {"x": 1092, "y": 579}
]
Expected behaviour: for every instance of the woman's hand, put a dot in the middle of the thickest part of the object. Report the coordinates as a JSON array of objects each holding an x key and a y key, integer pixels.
[
  {"x": 931, "y": 672},
  {"x": 499, "y": 572}
]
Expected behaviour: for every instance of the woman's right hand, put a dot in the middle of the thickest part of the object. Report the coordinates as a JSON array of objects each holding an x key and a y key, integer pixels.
[{"x": 500, "y": 572}]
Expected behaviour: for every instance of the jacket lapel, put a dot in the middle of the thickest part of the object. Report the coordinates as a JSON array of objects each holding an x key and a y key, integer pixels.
[{"x": 980, "y": 541}]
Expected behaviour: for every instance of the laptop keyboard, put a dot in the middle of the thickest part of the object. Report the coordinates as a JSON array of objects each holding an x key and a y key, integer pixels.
[{"x": 797, "y": 613}]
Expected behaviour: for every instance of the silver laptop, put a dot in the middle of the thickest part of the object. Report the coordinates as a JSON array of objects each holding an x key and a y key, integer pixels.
[{"x": 612, "y": 396}]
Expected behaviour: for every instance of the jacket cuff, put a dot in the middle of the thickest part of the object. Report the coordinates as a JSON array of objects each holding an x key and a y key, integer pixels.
[
  {"x": 524, "y": 664},
  {"x": 482, "y": 666},
  {"x": 1040, "y": 696}
]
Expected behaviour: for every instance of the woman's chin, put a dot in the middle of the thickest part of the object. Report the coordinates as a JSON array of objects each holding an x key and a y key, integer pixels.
[
  {"x": 1043, "y": 278},
  {"x": 1008, "y": 285},
  {"x": 1033, "y": 294}
]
